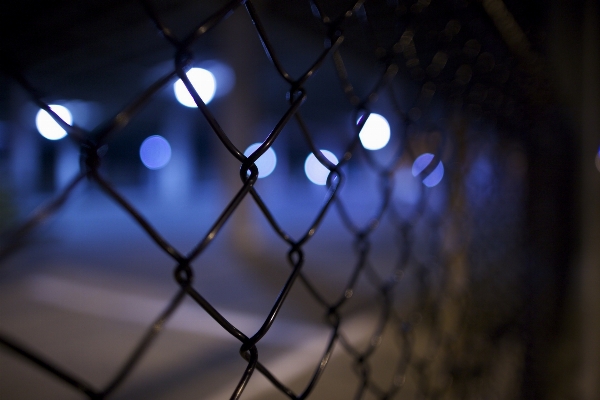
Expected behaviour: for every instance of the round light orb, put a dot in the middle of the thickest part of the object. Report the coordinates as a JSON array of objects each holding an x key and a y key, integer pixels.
[
  {"x": 265, "y": 163},
  {"x": 421, "y": 163},
  {"x": 202, "y": 80},
  {"x": 155, "y": 152},
  {"x": 48, "y": 127},
  {"x": 375, "y": 133},
  {"x": 316, "y": 172}
]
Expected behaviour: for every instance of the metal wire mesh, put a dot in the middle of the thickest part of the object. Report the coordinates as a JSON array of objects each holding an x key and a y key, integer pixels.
[{"x": 453, "y": 87}]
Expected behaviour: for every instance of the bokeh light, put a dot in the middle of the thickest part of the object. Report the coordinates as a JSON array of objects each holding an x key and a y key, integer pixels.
[
  {"x": 265, "y": 163},
  {"x": 202, "y": 80},
  {"x": 375, "y": 134},
  {"x": 316, "y": 172},
  {"x": 48, "y": 127},
  {"x": 421, "y": 163},
  {"x": 155, "y": 152}
]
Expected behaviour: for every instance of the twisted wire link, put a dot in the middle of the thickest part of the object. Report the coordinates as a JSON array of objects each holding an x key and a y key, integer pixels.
[{"x": 398, "y": 59}]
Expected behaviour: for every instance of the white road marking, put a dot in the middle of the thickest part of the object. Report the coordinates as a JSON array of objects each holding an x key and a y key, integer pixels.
[
  {"x": 309, "y": 341},
  {"x": 189, "y": 317}
]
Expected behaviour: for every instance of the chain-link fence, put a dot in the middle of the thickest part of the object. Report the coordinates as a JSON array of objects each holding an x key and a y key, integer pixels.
[{"x": 418, "y": 247}]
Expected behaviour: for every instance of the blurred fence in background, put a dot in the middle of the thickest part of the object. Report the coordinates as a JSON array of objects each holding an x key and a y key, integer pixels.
[{"x": 433, "y": 226}]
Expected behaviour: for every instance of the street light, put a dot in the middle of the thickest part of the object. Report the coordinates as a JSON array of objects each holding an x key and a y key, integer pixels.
[
  {"x": 266, "y": 162},
  {"x": 202, "y": 80},
  {"x": 48, "y": 127},
  {"x": 316, "y": 172},
  {"x": 155, "y": 152},
  {"x": 375, "y": 133},
  {"x": 421, "y": 163}
]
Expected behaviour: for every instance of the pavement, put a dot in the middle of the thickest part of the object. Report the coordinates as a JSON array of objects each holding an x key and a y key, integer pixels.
[{"x": 90, "y": 282}]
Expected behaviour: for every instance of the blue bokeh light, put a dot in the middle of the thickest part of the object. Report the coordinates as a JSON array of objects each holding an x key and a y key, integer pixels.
[
  {"x": 266, "y": 163},
  {"x": 155, "y": 152},
  {"x": 435, "y": 176}
]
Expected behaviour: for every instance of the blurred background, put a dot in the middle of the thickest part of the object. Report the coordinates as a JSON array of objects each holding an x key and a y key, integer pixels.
[{"x": 472, "y": 203}]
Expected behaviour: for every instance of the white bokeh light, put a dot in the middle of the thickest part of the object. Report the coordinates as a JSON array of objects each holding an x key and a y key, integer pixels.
[
  {"x": 421, "y": 163},
  {"x": 265, "y": 163},
  {"x": 202, "y": 80},
  {"x": 155, "y": 152},
  {"x": 375, "y": 134},
  {"x": 48, "y": 127},
  {"x": 316, "y": 172}
]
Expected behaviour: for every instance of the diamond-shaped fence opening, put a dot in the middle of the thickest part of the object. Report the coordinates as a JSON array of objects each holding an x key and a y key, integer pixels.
[{"x": 383, "y": 250}]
